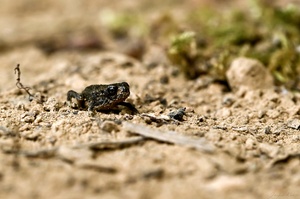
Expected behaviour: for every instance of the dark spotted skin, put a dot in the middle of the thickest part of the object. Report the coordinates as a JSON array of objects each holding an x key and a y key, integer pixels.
[{"x": 101, "y": 97}]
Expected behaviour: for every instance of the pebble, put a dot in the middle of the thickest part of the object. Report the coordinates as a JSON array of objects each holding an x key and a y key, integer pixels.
[
  {"x": 261, "y": 114},
  {"x": 273, "y": 113},
  {"x": 249, "y": 144},
  {"x": 30, "y": 135},
  {"x": 213, "y": 135},
  {"x": 178, "y": 114},
  {"x": 52, "y": 104},
  {"x": 267, "y": 130},
  {"x": 109, "y": 126},
  {"x": 226, "y": 184},
  {"x": 278, "y": 131},
  {"x": 294, "y": 124},
  {"x": 241, "y": 120},
  {"x": 228, "y": 101},
  {"x": 223, "y": 113},
  {"x": 249, "y": 73},
  {"x": 270, "y": 150},
  {"x": 29, "y": 117}
]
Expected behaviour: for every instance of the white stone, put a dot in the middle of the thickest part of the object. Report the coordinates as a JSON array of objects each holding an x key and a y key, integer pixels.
[{"x": 249, "y": 73}]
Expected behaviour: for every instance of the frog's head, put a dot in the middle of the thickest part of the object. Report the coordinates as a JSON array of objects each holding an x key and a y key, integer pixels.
[{"x": 118, "y": 91}]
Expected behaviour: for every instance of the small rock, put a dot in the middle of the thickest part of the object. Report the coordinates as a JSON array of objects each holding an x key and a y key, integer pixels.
[
  {"x": 223, "y": 113},
  {"x": 241, "y": 120},
  {"x": 261, "y": 114},
  {"x": 228, "y": 101},
  {"x": 267, "y": 130},
  {"x": 52, "y": 104},
  {"x": 213, "y": 135},
  {"x": 28, "y": 117},
  {"x": 201, "y": 119},
  {"x": 241, "y": 129},
  {"x": 5, "y": 131},
  {"x": 109, "y": 126},
  {"x": 154, "y": 174},
  {"x": 226, "y": 183},
  {"x": 38, "y": 98},
  {"x": 273, "y": 113},
  {"x": 278, "y": 131},
  {"x": 294, "y": 124},
  {"x": 51, "y": 139},
  {"x": 270, "y": 150},
  {"x": 164, "y": 79},
  {"x": 59, "y": 126},
  {"x": 249, "y": 144},
  {"x": 29, "y": 135},
  {"x": 178, "y": 114},
  {"x": 250, "y": 73}
]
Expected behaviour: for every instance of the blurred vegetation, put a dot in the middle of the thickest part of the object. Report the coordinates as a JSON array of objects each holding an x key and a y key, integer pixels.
[
  {"x": 265, "y": 32},
  {"x": 205, "y": 40}
]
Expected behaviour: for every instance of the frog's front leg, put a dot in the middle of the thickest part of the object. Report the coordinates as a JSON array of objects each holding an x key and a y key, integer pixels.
[
  {"x": 91, "y": 109},
  {"x": 73, "y": 94}
]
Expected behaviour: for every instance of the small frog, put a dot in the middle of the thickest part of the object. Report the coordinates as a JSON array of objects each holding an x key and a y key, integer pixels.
[{"x": 101, "y": 97}]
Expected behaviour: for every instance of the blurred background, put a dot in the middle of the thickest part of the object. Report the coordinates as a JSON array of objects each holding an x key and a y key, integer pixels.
[{"x": 198, "y": 36}]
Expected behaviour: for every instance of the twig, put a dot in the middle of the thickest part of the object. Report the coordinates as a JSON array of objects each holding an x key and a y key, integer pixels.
[
  {"x": 169, "y": 137},
  {"x": 101, "y": 145},
  {"x": 111, "y": 144},
  {"x": 42, "y": 153},
  {"x": 19, "y": 83},
  {"x": 92, "y": 165},
  {"x": 283, "y": 159}
]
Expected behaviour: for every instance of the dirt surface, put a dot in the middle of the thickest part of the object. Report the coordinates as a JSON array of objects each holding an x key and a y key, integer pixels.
[{"x": 230, "y": 143}]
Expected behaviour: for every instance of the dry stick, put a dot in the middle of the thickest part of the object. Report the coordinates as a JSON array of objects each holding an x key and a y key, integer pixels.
[
  {"x": 111, "y": 144},
  {"x": 19, "y": 83},
  {"x": 172, "y": 137},
  {"x": 101, "y": 145},
  {"x": 282, "y": 159}
]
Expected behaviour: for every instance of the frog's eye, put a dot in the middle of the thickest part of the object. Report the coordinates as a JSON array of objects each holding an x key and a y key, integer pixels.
[{"x": 112, "y": 90}]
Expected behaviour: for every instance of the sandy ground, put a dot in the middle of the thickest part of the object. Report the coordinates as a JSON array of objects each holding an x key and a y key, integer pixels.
[{"x": 248, "y": 137}]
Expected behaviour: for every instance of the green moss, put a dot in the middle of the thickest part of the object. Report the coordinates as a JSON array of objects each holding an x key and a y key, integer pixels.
[
  {"x": 264, "y": 32},
  {"x": 183, "y": 52}
]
